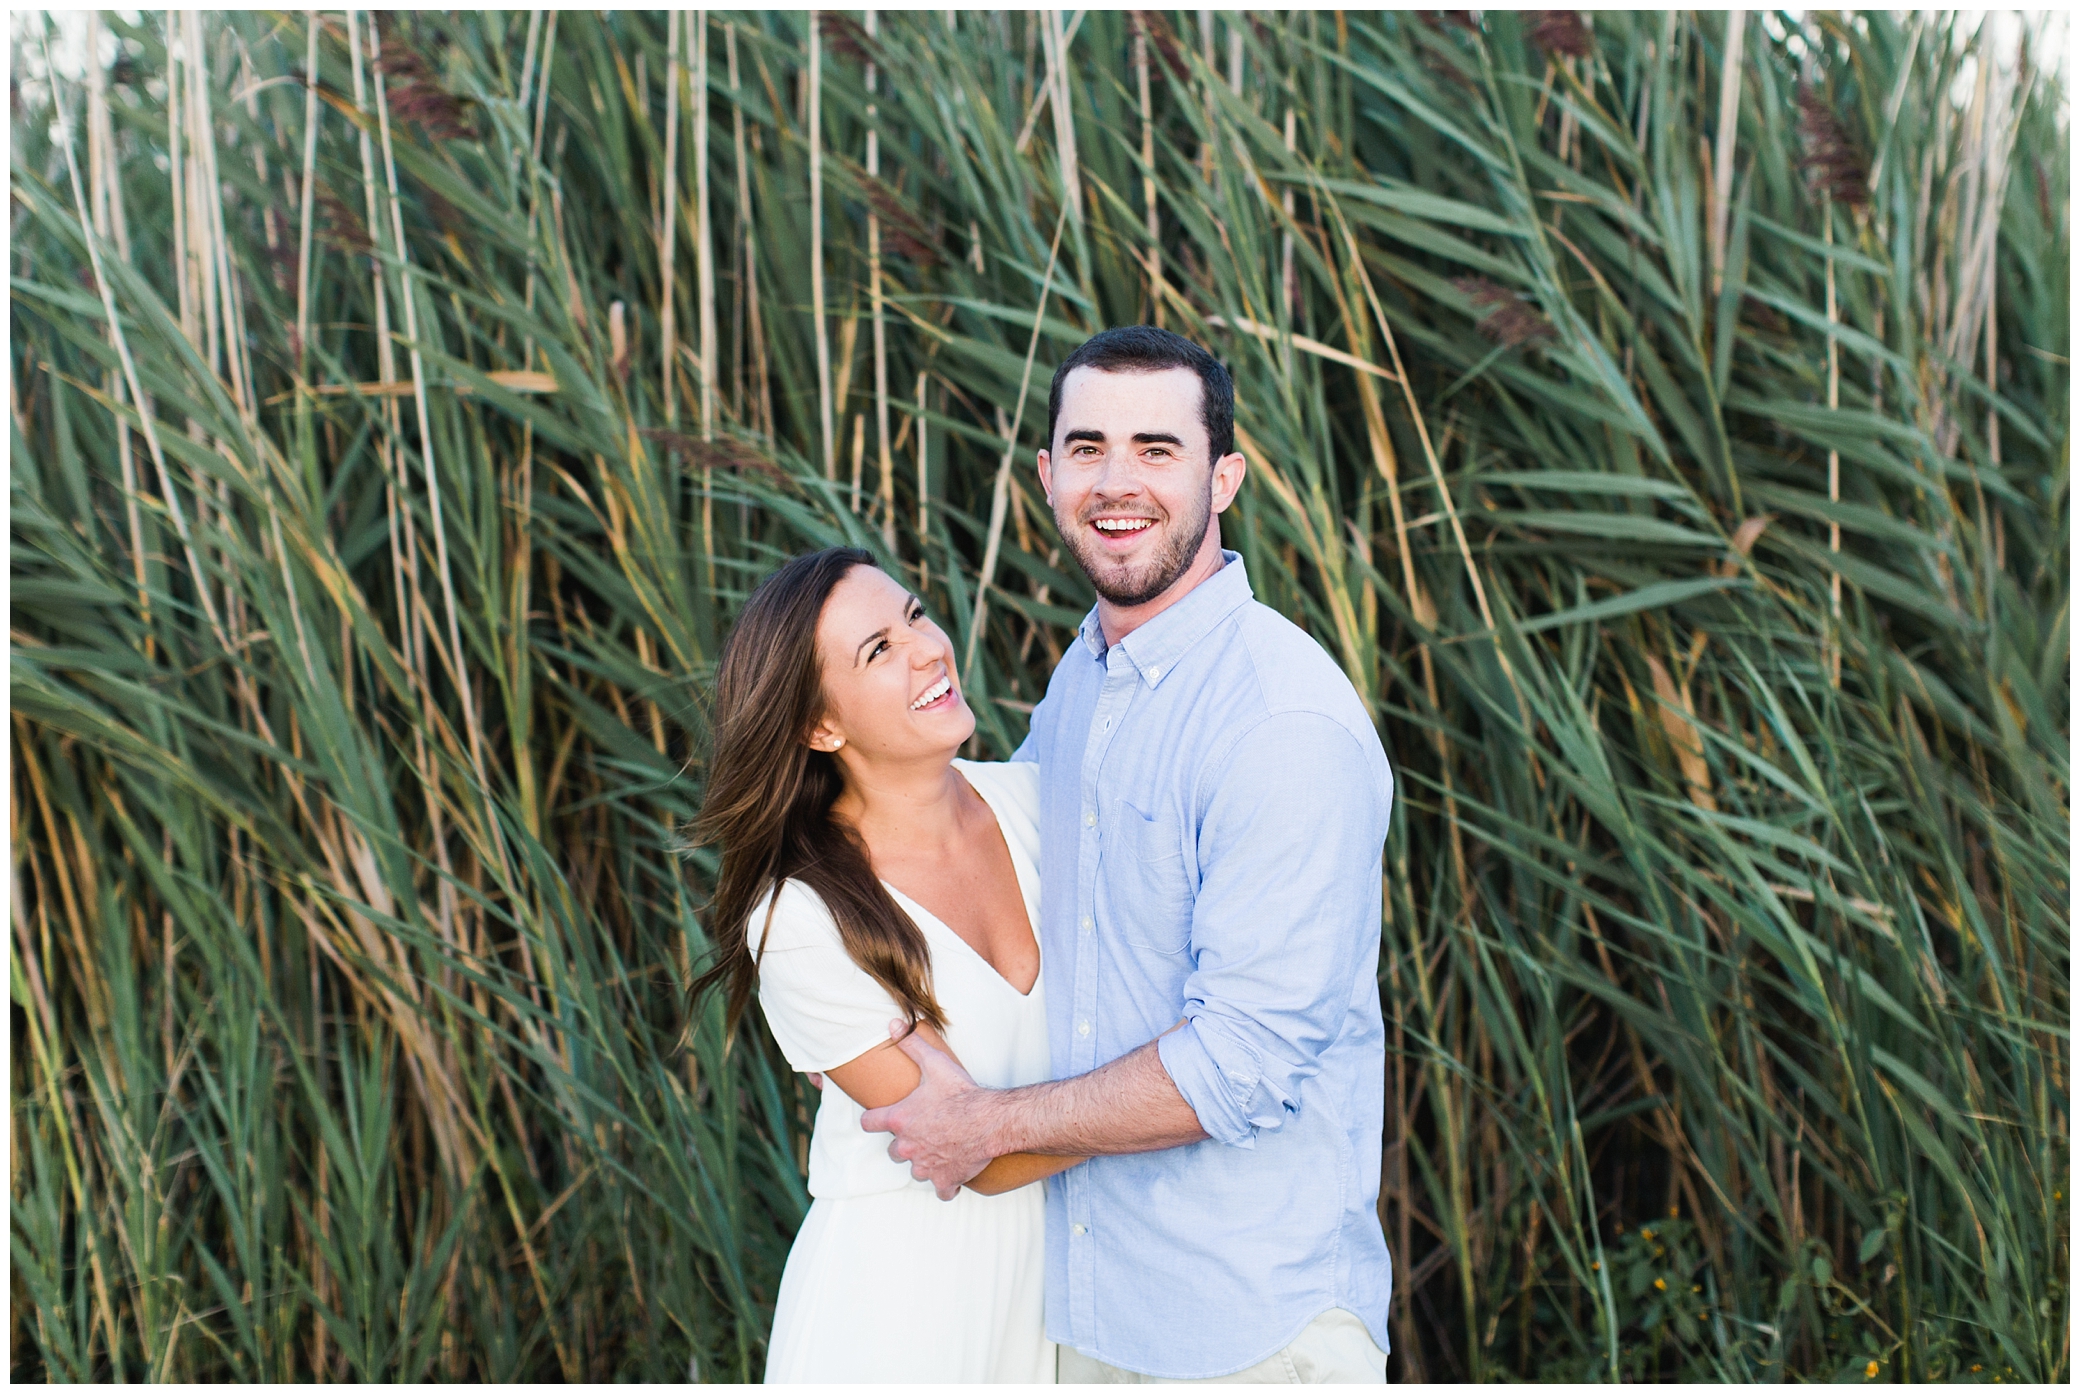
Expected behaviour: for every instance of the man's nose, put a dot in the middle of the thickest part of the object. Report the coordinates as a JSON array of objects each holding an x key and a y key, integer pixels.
[{"x": 1116, "y": 475}]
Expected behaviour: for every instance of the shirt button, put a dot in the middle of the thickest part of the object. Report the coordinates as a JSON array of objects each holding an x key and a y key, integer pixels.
[
  {"x": 1080, "y": 1229},
  {"x": 1155, "y": 675},
  {"x": 1083, "y": 1028},
  {"x": 1090, "y": 819},
  {"x": 1086, "y": 924}
]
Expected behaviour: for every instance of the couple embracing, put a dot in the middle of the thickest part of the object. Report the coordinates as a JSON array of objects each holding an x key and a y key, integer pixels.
[{"x": 1099, "y": 1026}]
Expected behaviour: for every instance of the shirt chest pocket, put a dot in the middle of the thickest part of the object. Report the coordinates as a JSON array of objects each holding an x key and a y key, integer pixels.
[{"x": 1145, "y": 885}]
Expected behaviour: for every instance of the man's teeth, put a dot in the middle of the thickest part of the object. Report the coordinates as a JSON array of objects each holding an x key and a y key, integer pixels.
[
  {"x": 933, "y": 693},
  {"x": 1121, "y": 524}
]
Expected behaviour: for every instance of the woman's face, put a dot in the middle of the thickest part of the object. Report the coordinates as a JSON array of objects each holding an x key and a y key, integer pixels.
[{"x": 889, "y": 688}]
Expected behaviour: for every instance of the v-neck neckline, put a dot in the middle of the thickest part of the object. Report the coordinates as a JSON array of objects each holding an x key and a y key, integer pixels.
[{"x": 1025, "y": 902}]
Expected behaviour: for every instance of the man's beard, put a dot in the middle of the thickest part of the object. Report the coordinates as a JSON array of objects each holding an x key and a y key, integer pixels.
[{"x": 1127, "y": 587}]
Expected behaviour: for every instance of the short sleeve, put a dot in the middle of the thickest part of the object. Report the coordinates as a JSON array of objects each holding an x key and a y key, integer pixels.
[{"x": 824, "y": 1009}]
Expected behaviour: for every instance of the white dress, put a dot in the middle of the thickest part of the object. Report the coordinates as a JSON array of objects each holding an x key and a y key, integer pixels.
[{"x": 886, "y": 1282}]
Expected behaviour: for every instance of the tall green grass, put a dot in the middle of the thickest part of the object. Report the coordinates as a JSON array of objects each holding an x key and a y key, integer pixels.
[{"x": 1664, "y": 424}]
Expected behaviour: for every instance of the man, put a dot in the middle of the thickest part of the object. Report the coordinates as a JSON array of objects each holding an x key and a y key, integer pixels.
[{"x": 1214, "y": 805}]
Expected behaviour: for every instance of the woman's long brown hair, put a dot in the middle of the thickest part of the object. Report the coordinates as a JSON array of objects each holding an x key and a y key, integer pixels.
[{"x": 769, "y": 798}]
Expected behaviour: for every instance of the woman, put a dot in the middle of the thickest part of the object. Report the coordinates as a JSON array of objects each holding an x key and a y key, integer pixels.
[{"x": 868, "y": 876}]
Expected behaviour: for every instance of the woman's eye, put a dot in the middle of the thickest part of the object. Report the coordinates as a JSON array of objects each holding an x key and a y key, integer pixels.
[{"x": 879, "y": 649}]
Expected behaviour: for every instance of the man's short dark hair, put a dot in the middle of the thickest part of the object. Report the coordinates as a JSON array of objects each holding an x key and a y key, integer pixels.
[{"x": 1143, "y": 348}]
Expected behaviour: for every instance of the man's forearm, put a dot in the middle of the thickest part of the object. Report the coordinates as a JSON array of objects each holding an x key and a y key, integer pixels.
[{"x": 1130, "y": 1105}]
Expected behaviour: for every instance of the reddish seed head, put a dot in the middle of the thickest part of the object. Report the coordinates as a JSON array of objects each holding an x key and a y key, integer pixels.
[{"x": 1562, "y": 34}]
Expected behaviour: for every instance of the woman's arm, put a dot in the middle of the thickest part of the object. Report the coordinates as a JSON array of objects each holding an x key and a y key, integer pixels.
[
  {"x": 884, "y": 1075},
  {"x": 1015, "y": 1169}
]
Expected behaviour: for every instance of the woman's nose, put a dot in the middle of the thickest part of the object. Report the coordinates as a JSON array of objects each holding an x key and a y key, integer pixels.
[{"x": 927, "y": 648}]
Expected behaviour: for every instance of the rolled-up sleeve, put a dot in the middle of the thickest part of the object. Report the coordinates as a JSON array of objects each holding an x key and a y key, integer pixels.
[{"x": 1293, "y": 817}]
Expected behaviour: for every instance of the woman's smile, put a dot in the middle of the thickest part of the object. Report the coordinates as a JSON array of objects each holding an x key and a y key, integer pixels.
[{"x": 937, "y": 696}]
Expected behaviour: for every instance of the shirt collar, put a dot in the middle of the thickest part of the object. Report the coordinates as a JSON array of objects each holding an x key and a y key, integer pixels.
[{"x": 1155, "y": 647}]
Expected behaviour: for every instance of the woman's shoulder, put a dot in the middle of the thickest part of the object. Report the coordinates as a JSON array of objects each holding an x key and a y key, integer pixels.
[
  {"x": 790, "y": 916},
  {"x": 1016, "y": 782}
]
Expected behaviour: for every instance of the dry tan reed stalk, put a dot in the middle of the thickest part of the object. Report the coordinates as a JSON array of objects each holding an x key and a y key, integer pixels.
[
  {"x": 528, "y": 56},
  {"x": 310, "y": 185},
  {"x": 924, "y": 496},
  {"x": 1271, "y": 334},
  {"x": 747, "y": 297},
  {"x": 541, "y": 114},
  {"x": 197, "y": 264},
  {"x": 1833, "y": 647},
  {"x": 823, "y": 341},
  {"x": 1000, "y": 492},
  {"x": 1148, "y": 173},
  {"x": 1056, "y": 44},
  {"x": 205, "y": 206},
  {"x": 178, "y": 180},
  {"x": 704, "y": 240},
  {"x": 667, "y": 240},
  {"x": 736, "y": 320},
  {"x": 859, "y": 455},
  {"x": 529, "y": 86},
  {"x": 226, "y": 319},
  {"x": 1722, "y": 156},
  {"x": 704, "y": 246},
  {"x": 403, "y": 546},
  {"x": 99, "y": 133},
  {"x": 886, "y": 495},
  {"x": 1041, "y": 98},
  {"x": 106, "y": 187},
  {"x": 252, "y": 96},
  {"x": 1288, "y": 284}
]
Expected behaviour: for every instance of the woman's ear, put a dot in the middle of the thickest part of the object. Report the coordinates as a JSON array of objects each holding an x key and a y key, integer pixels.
[{"x": 825, "y": 737}]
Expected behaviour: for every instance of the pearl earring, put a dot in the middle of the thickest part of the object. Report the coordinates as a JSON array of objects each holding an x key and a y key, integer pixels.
[{"x": 836, "y": 744}]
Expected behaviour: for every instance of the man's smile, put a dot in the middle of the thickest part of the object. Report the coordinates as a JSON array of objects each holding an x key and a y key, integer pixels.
[{"x": 1122, "y": 529}]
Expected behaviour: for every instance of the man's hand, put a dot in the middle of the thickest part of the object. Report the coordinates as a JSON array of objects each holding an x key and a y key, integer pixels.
[{"x": 942, "y": 1127}]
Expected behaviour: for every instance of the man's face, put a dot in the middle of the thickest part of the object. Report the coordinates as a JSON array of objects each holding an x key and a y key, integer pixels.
[{"x": 1131, "y": 481}]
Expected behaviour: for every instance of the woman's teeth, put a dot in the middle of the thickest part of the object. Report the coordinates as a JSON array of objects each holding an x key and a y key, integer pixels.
[{"x": 932, "y": 694}]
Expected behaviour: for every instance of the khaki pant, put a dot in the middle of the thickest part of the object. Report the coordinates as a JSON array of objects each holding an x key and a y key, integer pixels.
[{"x": 1334, "y": 1349}]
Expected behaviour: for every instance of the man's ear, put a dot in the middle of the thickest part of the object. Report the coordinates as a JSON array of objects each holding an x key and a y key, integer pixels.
[
  {"x": 1046, "y": 476},
  {"x": 1227, "y": 479}
]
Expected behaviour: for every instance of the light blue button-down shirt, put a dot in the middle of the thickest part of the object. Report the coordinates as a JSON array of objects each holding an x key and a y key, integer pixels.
[{"x": 1214, "y": 800}]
